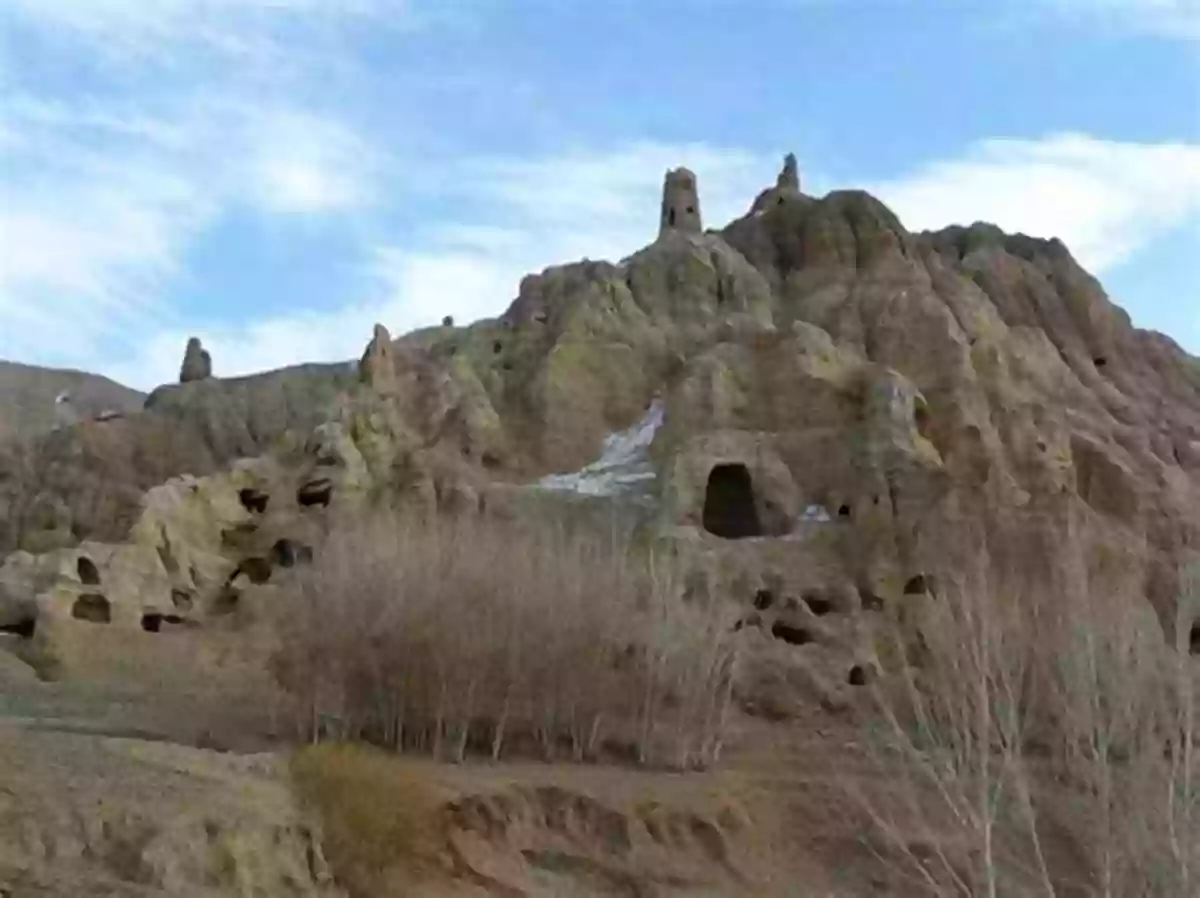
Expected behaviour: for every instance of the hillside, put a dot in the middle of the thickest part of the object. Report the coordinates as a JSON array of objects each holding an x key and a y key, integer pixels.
[
  {"x": 28, "y": 395},
  {"x": 838, "y": 445}
]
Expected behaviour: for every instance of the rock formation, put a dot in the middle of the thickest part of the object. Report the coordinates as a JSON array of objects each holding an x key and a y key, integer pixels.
[
  {"x": 680, "y": 203},
  {"x": 849, "y": 409},
  {"x": 377, "y": 367},
  {"x": 787, "y": 187},
  {"x": 197, "y": 364}
]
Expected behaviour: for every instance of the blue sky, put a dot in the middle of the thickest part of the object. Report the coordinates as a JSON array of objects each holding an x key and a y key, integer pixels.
[{"x": 277, "y": 175}]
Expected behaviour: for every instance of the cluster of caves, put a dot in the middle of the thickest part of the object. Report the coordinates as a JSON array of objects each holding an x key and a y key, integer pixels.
[{"x": 791, "y": 630}]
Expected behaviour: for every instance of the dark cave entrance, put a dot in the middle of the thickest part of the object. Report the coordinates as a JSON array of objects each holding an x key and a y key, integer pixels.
[{"x": 729, "y": 509}]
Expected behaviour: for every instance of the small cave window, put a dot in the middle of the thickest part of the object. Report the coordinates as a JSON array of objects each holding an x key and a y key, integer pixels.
[
  {"x": 843, "y": 511},
  {"x": 497, "y": 347},
  {"x": 791, "y": 635},
  {"x": 152, "y": 621},
  {"x": 1099, "y": 361},
  {"x": 1194, "y": 639},
  {"x": 764, "y": 599},
  {"x": 922, "y": 419},
  {"x": 691, "y": 210},
  {"x": 315, "y": 492},
  {"x": 817, "y": 604},
  {"x": 857, "y": 676},
  {"x": 258, "y": 570},
  {"x": 22, "y": 628},
  {"x": 870, "y": 600},
  {"x": 89, "y": 574},
  {"x": 253, "y": 500},
  {"x": 288, "y": 553},
  {"x": 671, "y": 218},
  {"x": 779, "y": 201},
  {"x": 916, "y": 585},
  {"x": 729, "y": 509},
  {"x": 92, "y": 607}
]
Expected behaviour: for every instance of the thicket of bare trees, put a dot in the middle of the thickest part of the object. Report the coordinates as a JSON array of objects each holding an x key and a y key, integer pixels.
[
  {"x": 469, "y": 636},
  {"x": 1041, "y": 748}
]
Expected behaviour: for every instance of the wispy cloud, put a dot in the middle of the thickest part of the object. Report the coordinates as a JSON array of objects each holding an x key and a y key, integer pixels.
[
  {"x": 98, "y": 209},
  {"x": 1175, "y": 19},
  {"x": 1105, "y": 199}
]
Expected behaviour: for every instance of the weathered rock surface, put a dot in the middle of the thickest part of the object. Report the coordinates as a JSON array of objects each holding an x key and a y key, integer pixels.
[{"x": 87, "y": 481}]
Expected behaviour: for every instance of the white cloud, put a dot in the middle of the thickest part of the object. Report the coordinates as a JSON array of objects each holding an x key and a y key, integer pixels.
[
  {"x": 1178, "y": 19},
  {"x": 1104, "y": 199},
  {"x": 306, "y": 164}
]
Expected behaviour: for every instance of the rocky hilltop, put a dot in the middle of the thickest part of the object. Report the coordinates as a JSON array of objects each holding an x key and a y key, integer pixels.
[
  {"x": 919, "y": 401},
  {"x": 36, "y": 400}
]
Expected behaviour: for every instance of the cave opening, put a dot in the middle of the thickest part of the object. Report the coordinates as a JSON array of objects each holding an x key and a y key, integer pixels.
[
  {"x": 92, "y": 607},
  {"x": 89, "y": 574},
  {"x": 729, "y": 509}
]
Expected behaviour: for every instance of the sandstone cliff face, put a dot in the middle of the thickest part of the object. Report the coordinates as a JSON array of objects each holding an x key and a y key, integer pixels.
[{"x": 845, "y": 407}]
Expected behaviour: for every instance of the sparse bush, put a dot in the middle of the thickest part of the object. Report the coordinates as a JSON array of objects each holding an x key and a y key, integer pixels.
[
  {"x": 458, "y": 636},
  {"x": 1040, "y": 748}
]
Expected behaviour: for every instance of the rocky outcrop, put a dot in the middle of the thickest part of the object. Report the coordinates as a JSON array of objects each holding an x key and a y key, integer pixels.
[
  {"x": 30, "y": 406},
  {"x": 377, "y": 366},
  {"x": 197, "y": 363},
  {"x": 786, "y": 189}
]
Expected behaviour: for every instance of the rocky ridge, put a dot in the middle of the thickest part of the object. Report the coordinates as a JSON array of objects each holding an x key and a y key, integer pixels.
[{"x": 849, "y": 412}]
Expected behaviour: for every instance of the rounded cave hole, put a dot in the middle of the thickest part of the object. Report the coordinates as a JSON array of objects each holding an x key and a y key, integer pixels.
[
  {"x": 764, "y": 599},
  {"x": 1194, "y": 639},
  {"x": 729, "y": 509},
  {"x": 253, "y": 500},
  {"x": 92, "y": 607},
  {"x": 315, "y": 492},
  {"x": 288, "y": 553},
  {"x": 790, "y": 634},
  {"x": 22, "y": 628},
  {"x": 258, "y": 570},
  {"x": 858, "y": 676},
  {"x": 922, "y": 419},
  {"x": 89, "y": 574},
  {"x": 918, "y": 585},
  {"x": 152, "y": 621},
  {"x": 817, "y": 604}
]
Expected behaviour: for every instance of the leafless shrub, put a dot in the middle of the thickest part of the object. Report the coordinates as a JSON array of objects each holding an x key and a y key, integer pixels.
[
  {"x": 1040, "y": 748},
  {"x": 469, "y": 636}
]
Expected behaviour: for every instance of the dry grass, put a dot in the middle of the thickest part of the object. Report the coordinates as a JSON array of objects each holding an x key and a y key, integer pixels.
[
  {"x": 469, "y": 636},
  {"x": 1041, "y": 749},
  {"x": 383, "y": 826}
]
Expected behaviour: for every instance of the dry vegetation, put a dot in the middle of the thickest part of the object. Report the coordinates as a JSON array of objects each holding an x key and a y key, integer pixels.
[
  {"x": 454, "y": 637},
  {"x": 1040, "y": 749}
]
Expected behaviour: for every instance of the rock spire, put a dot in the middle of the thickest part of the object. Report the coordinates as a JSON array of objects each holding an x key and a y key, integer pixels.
[{"x": 197, "y": 363}]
